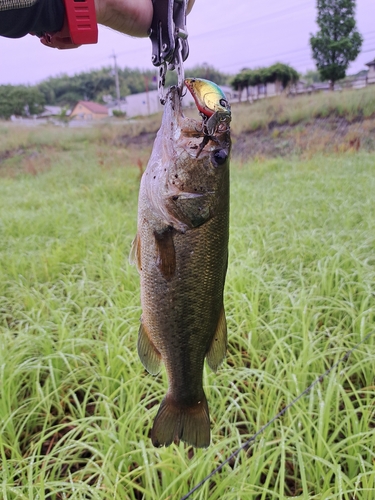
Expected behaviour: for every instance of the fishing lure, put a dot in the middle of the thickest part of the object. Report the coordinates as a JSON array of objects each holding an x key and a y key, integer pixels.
[
  {"x": 213, "y": 107},
  {"x": 211, "y": 103}
]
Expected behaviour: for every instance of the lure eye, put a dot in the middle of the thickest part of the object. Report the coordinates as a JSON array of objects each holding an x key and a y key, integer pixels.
[
  {"x": 220, "y": 156},
  {"x": 223, "y": 103}
]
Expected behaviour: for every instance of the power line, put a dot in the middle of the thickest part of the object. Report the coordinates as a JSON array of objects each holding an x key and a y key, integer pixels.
[
  {"x": 264, "y": 58},
  {"x": 275, "y": 56},
  {"x": 224, "y": 30},
  {"x": 274, "y": 15},
  {"x": 133, "y": 51},
  {"x": 144, "y": 49}
]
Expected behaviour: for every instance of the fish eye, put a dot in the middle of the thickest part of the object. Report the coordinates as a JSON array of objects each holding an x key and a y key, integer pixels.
[
  {"x": 220, "y": 156},
  {"x": 223, "y": 103}
]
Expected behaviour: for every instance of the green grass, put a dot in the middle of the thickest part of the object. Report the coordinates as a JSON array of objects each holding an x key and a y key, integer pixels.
[
  {"x": 349, "y": 104},
  {"x": 76, "y": 406}
]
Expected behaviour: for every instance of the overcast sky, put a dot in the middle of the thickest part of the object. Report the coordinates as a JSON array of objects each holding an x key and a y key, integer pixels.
[{"x": 227, "y": 34}]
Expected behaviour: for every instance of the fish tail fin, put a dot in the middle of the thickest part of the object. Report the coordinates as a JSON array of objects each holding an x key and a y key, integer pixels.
[{"x": 189, "y": 424}]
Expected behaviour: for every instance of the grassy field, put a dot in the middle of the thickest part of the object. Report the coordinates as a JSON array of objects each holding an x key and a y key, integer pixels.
[
  {"x": 351, "y": 105},
  {"x": 76, "y": 406}
]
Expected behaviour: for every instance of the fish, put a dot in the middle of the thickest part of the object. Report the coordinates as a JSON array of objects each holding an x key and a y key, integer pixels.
[{"x": 181, "y": 252}]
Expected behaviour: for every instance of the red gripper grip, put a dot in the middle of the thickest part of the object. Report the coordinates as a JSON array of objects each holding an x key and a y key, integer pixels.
[{"x": 81, "y": 18}]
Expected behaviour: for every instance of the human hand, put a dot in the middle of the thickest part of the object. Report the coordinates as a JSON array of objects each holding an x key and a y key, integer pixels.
[{"x": 132, "y": 17}]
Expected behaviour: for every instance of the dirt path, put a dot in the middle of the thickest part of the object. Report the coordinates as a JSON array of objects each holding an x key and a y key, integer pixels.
[{"x": 321, "y": 135}]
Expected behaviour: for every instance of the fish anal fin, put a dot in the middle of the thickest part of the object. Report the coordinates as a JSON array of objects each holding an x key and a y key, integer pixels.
[
  {"x": 166, "y": 254},
  {"x": 216, "y": 353},
  {"x": 135, "y": 253},
  {"x": 189, "y": 424},
  {"x": 147, "y": 352}
]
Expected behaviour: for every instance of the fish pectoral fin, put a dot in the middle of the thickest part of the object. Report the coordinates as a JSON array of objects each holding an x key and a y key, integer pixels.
[
  {"x": 216, "y": 353},
  {"x": 166, "y": 253},
  {"x": 193, "y": 209},
  {"x": 147, "y": 352},
  {"x": 135, "y": 253}
]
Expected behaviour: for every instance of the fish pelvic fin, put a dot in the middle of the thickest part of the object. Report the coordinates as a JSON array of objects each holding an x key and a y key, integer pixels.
[
  {"x": 147, "y": 352},
  {"x": 189, "y": 424},
  {"x": 218, "y": 348}
]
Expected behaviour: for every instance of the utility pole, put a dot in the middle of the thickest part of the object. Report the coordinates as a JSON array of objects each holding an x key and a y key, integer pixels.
[
  {"x": 147, "y": 96},
  {"x": 116, "y": 79}
]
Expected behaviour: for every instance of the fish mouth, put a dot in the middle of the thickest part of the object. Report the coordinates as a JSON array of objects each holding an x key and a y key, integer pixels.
[
  {"x": 173, "y": 99},
  {"x": 175, "y": 124},
  {"x": 172, "y": 106},
  {"x": 190, "y": 134}
]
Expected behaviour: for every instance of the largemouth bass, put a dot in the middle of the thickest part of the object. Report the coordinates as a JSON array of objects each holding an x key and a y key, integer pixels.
[{"x": 181, "y": 251}]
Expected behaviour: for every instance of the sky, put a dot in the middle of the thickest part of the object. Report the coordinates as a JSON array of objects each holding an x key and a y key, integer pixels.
[{"x": 228, "y": 35}]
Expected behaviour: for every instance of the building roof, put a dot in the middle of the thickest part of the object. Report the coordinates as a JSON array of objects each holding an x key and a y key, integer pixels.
[
  {"x": 94, "y": 107},
  {"x": 371, "y": 63}
]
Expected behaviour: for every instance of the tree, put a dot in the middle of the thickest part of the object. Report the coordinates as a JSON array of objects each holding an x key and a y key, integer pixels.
[
  {"x": 20, "y": 100},
  {"x": 249, "y": 78},
  {"x": 282, "y": 74},
  {"x": 241, "y": 81},
  {"x": 259, "y": 78},
  {"x": 338, "y": 42},
  {"x": 312, "y": 76},
  {"x": 93, "y": 85}
]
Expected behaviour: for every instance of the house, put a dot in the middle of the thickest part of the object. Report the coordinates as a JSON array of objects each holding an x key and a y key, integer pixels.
[
  {"x": 50, "y": 112},
  {"x": 358, "y": 81},
  {"x": 86, "y": 110},
  {"x": 261, "y": 91},
  {"x": 371, "y": 72},
  {"x": 141, "y": 104},
  {"x": 300, "y": 87}
]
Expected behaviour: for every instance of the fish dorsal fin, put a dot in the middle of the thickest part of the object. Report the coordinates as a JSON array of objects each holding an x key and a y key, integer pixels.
[
  {"x": 147, "y": 352},
  {"x": 166, "y": 254},
  {"x": 216, "y": 352},
  {"x": 135, "y": 253}
]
